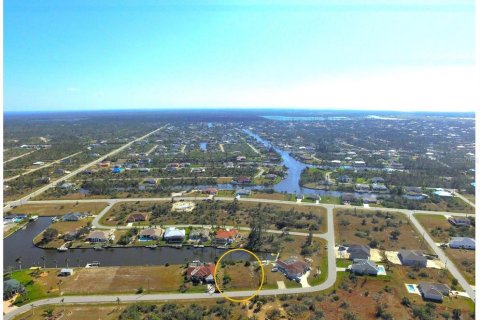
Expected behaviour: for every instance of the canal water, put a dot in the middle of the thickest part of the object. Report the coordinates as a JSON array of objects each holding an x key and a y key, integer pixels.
[
  {"x": 20, "y": 245},
  {"x": 291, "y": 183}
]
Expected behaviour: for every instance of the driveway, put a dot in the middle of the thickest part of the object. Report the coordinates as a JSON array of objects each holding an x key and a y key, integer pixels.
[{"x": 304, "y": 281}]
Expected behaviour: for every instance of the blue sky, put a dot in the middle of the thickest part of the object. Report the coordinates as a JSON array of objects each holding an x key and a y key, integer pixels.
[{"x": 402, "y": 55}]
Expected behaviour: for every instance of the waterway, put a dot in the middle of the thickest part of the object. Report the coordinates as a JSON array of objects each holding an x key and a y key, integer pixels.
[
  {"x": 20, "y": 245},
  {"x": 291, "y": 182}
]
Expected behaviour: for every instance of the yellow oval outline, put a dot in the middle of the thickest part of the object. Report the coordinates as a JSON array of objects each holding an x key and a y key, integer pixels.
[{"x": 215, "y": 273}]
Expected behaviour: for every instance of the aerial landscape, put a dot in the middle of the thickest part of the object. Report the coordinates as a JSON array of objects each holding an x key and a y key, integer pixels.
[{"x": 184, "y": 161}]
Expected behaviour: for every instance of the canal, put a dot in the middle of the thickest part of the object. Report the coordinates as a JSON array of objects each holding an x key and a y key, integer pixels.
[{"x": 20, "y": 246}]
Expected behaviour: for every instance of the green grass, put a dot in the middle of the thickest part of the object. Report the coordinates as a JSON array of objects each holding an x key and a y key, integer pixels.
[
  {"x": 323, "y": 272},
  {"x": 343, "y": 263},
  {"x": 34, "y": 291}
]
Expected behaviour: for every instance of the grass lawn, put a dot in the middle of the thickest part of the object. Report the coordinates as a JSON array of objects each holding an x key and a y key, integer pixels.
[
  {"x": 343, "y": 263},
  {"x": 50, "y": 209},
  {"x": 33, "y": 282}
]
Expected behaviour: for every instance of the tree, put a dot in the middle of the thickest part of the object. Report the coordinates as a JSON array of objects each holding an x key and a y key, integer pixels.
[
  {"x": 257, "y": 229},
  {"x": 456, "y": 314},
  {"x": 395, "y": 234},
  {"x": 49, "y": 234}
]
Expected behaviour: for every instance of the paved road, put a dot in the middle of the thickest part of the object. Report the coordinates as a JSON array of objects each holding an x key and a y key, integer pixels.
[
  {"x": 463, "y": 198},
  {"x": 40, "y": 167},
  {"x": 23, "y": 200},
  {"x": 18, "y": 157}
]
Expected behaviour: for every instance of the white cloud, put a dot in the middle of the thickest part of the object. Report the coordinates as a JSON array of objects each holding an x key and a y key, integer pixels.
[
  {"x": 73, "y": 89},
  {"x": 410, "y": 88}
]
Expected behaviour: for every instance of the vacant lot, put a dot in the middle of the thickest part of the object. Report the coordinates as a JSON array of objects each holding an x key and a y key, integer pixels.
[
  {"x": 277, "y": 216},
  {"x": 465, "y": 262},
  {"x": 441, "y": 230},
  {"x": 50, "y": 209},
  {"x": 385, "y": 230},
  {"x": 238, "y": 276},
  {"x": 115, "y": 280}
]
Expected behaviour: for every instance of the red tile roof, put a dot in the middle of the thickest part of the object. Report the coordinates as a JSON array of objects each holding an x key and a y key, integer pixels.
[
  {"x": 224, "y": 234},
  {"x": 201, "y": 271}
]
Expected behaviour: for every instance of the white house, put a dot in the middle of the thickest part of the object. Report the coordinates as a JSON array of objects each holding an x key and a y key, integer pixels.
[{"x": 462, "y": 243}]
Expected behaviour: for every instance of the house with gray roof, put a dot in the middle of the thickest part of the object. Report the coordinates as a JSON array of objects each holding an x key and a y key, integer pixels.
[
  {"x": 433, "y": 291},
  {"x": 364, "y": 266},
  {"x": 200, "y": 235},
  {"x": 74, "y": 216},
  {"x": 462, "y": 243},
  {"x": 459, "y": 221},
  {"x": 359, "y": 251},
  {"x": 412, "y": 258},
  {"x": 11, "y": 287}
]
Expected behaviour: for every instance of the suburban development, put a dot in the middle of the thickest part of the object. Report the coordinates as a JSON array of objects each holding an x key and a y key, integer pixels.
[{"x": 338, "y": 226}]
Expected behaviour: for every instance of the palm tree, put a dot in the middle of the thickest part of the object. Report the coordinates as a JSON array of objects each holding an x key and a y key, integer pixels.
[
  {"x": 19, "y": 262},
  {"x": 43, "y": 259}
]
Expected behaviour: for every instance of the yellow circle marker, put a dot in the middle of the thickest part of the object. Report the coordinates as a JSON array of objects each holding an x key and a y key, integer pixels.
[{"x": 223, "y": 293}]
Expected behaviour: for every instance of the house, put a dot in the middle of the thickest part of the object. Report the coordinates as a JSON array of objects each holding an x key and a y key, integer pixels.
[
  {"x": 359, "y": 251},
  {"x": 241, "y": 158},
  {"x": 439, "y": 192},
  {"x": 11, "y": 287},
  {"x": 200, "y": 272},
  {"x": 293, "y": 268},
  {"x": 412, "y": 258},
  {"x": 135, "y": 217},
  {"x": 377, "y": 180},
  {"x": 414, "y": 191},
  {"x": 271, "y": 176},
  {"x": 65, "y": 272},
  {"x": 361, "y": 187},
  {"x": 105, "y": 164},
  {"x": 67, "y": 186},
  {"x": 377, "y": 187},
  {"x": 344, "y": 179},
  {"x": 462, "y": 243},
  {"x": 73, "y": 216},
  {"x": 150, "y": 234},
  {"x": 174, "y": 235},
  {"x": 243, "y": 192},
  {"x": 433, "y": 291},
  {"x": 150, "y": 181},
  {"x": 459, "y": 221},
  {"x": 225, "y": 237},
  {"x": 71, "y": 235},
  {"x": 348, "y": 197},
  {"x": 369, "y": 198},
  {"x": 244, "y": 180},
  {"x": 211, "y": 191},
  {"x": 97, "y": 236},
  {"x": 200, "y": 235},
  {"x": 364, "y": 266}
]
